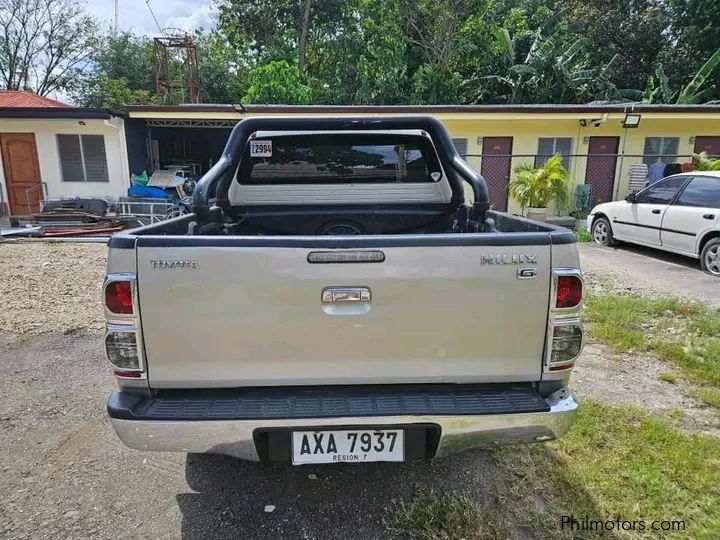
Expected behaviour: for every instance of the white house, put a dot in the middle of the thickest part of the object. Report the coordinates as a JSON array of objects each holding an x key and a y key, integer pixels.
[{"x": 53, "y": 150}]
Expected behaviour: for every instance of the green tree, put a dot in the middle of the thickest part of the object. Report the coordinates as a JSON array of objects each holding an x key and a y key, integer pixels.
[
  {"x": 434, "y": 32},
  {"x": 632, "y": 32},
  {"x": 221, "y": 70},
  {"x": 116, "y": 94},
  {"x": 433, "y": 51},
  {"x": 126, "y": 55},
  {"x": 382, "y": 76},
  {"x": 120, "y": 73},
  {"x": 277, "y": 82},
  {"x": 695, "y": 35},
  {"x": 280, "y": 29}
]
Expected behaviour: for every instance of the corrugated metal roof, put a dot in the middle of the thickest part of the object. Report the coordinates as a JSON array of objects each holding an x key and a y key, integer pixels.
[
  {"x": 20, "y": 98},
  {"x": 425, "y": 109},
  {"x": 54, "y": 113}
]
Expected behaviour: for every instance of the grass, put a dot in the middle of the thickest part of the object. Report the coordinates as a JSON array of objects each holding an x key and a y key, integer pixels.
[
  {"x": 583, "y": 235},
  {"x": 429, "y": 515},
  {"x": 668, "y": 378},
  {"x": 708, "y": 396},
  {"x": 616, "y": 462},
  {"x": 684, "y": 334}
]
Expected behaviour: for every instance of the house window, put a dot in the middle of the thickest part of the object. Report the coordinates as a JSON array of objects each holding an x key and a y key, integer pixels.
[
  {"x": 461, "y": 146},
  {"x": 549, "y": 146},
  {"x": 664, "y": 149},
  {"x": 82, "y": 158}
]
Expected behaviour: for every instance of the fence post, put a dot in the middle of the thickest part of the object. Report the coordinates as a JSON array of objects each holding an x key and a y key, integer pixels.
[{"x": 616, "y": 188}]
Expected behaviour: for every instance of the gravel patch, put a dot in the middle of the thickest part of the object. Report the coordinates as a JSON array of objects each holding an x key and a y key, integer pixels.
[
  {"x": 633, "y": 378},
  {"x": 640, "y": 271},
  {"x": 51, "y": 287}
]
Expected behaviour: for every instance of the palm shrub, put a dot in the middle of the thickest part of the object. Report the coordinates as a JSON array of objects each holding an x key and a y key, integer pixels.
[
  {"x": 535, "y": 187},
  {"x": 701, "y": 162}
]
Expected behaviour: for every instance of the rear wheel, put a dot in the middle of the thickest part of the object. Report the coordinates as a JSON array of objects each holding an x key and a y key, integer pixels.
[
  {"x": 602, "y": 232},
  {"x": 710, "y": 257}
]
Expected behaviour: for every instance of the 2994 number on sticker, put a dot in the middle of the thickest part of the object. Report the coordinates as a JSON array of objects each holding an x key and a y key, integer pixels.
[
  {"x": 351, "y": 446},
  {"x": 260, "y": 148}
]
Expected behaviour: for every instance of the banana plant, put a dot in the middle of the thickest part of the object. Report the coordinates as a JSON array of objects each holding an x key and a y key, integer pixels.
[{"x": 691, "y": 92}]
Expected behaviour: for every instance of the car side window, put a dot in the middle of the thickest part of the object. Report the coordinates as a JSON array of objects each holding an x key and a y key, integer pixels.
[
  {"x": 702, "y": 191},
  {"x": 662, "y": 192}
]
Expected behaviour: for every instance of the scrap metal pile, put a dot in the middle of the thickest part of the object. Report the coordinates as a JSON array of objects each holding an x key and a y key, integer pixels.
[{"x": 66, "y": 223}]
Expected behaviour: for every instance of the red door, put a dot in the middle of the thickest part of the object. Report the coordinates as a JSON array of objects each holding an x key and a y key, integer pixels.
[
  {"x": 600, "y": 171},
  {"x": 710, "y": 145},
  {"x": 22, "y": 171},
  {"x": 495, "y": 168}
]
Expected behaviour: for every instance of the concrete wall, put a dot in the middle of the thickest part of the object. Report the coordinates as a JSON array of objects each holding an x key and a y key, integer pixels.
[{"x": 45, "y": 131}]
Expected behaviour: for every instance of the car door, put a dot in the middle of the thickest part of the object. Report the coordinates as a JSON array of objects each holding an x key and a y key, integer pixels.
[
  {"x": 640, "y": 219},
  {"x": 695, "y": 211}
]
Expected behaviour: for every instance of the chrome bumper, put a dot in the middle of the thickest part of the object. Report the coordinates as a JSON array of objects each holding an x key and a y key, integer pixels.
[{"x": 235, "y": 437}]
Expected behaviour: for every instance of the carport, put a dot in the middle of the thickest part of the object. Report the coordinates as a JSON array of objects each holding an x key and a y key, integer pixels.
[
  {"x": 159, "y": 139},
  {"x": 197, "y": 147}
]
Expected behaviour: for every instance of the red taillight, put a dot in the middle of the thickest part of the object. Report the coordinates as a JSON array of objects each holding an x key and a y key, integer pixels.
[
  {"x": 118, "y": 297},
  {"x": 128, "y": 374},
  {"x": 569, "y": 292}
]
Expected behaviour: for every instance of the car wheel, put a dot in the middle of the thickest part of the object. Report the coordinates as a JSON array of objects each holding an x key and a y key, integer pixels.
[
  {"x": 602, "y": 232},
  {"x": 710, "y": 257}
]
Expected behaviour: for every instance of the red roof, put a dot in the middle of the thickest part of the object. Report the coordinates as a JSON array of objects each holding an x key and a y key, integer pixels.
[{"x": 20, "y": 98}]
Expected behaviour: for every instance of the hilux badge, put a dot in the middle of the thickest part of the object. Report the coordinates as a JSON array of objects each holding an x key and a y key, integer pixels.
[{"x": 514, "y": 258}]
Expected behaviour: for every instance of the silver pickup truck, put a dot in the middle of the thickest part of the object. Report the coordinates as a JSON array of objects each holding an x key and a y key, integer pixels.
[{"x": 341, "y": 292}]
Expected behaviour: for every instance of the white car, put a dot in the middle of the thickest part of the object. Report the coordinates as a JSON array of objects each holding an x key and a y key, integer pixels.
[{"x": 680, "y": 213}]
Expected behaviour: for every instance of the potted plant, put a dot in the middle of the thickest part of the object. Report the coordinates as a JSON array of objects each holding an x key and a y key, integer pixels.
[{"x": 534, "y": 187}]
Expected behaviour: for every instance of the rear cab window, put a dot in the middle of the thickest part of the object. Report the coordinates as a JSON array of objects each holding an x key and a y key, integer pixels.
[{"x": 339, "y": 159}]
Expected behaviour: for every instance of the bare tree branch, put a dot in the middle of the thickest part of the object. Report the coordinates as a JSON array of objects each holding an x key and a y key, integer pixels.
[{"x": 45, "y": 44}]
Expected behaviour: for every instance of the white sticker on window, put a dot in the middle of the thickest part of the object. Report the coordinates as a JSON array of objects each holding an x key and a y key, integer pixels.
[
  {"x": 435, "y": 176},
  {"x": 260, "y": 148}
]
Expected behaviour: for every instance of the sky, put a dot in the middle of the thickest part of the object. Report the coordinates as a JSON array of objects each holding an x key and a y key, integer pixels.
[{"x": 135, "y": 16}]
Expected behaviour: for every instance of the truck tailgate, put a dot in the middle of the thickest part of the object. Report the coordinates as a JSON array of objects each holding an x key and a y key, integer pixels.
[{"x": 218, "y": 315}]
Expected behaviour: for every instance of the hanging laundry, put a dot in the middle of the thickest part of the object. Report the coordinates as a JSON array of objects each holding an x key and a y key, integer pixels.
[{"x": 638, "y": 174}]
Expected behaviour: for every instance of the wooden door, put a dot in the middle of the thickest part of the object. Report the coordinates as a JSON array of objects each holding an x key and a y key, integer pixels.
[
  {"x": 600, "y": 170},
  {"x": 495, "y": 168},
  {"x": 710, "y": 145},
  {"x": 22, "y": 171}
]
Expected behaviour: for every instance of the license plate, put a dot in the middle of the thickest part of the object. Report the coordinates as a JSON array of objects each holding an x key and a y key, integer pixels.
[{"x": 351, "y": 446}]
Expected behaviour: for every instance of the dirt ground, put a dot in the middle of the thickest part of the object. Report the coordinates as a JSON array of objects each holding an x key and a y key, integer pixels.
[
  {"x": 51, "y": 287},
  {"x": 65, "y": 474}
]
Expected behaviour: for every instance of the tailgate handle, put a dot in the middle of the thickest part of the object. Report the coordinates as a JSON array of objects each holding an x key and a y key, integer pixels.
[{"x": 337, "y": 295}]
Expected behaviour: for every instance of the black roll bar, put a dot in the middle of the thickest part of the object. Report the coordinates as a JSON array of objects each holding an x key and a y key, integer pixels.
[{"x": 216, "y": 182}]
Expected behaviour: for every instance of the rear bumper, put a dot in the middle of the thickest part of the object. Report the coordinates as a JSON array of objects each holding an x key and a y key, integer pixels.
[{"x": 466, "y": 418}]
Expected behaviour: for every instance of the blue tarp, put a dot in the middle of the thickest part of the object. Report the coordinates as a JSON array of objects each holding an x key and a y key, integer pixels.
[{"x": 147, "y": 191}]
